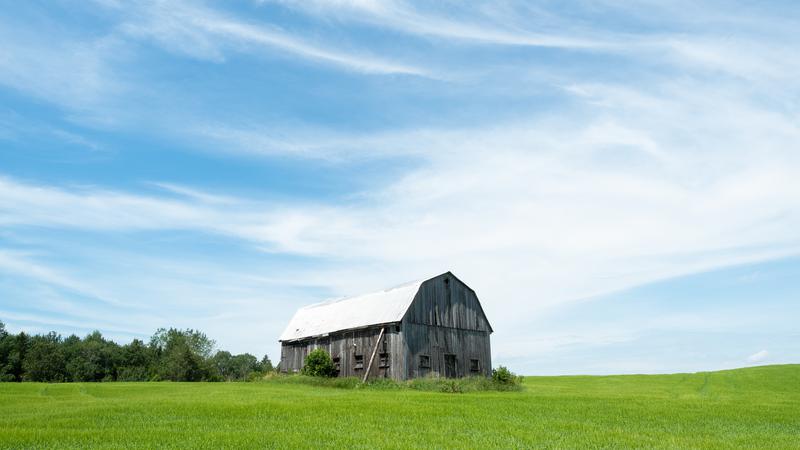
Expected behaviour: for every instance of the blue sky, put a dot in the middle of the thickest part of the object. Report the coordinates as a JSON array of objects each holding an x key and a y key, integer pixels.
[{"x": 619, "y": 181}]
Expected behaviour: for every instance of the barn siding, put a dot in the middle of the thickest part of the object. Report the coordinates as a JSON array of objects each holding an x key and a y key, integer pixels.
[
  {"x": 436, "y": 342},
  {"x": 345, "y": 345},
  {"x": 444, "y": 318},
  {"x": 448, "y": 304}
]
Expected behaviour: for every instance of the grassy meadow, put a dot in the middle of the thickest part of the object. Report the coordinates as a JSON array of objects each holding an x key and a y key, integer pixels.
[{"x": 745, "y": 408}]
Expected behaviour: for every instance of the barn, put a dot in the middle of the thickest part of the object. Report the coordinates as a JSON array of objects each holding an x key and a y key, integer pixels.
[{"x": 431, "y": 327}]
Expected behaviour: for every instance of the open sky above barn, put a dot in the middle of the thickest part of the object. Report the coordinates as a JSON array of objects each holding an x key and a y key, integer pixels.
[{"x": 618, "y": 181}]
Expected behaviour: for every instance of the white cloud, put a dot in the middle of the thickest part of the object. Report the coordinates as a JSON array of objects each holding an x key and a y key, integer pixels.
[
  {"x": 230, "y": 300},
  {"x": 541, "y": 208},
  {"x": 746, "y": 53},
  {"x": 688, "y": 164},
  {"x": 207, "y": 34},
  {"x": 632, "y": 193},
  {"x": 76, "y": 74},
  {"x": 485, "y": 25},
  {"x": 20, "y": 264},
  {"x": 758, "y": 356},
  {"x": 634, "y": 185}
]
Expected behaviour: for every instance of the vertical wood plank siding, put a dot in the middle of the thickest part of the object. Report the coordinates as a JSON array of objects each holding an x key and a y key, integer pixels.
[
  {"x": 445, "y": 318},
  {"x": 448, "y": 304},
  {"x": 345, "y": 345}
]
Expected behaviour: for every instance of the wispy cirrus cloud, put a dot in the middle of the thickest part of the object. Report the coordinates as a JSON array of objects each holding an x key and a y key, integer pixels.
[
  {"x": 94, "y": 78},
  {"x": 21, "y": 264},
  {"x": 485, "y": 24},
  {"x": 752, "y": 51},
  {"x": 578, "y": 151},
  {"x": 76, "y": 74},
  {"x": 204, "y": 33},
  {"x": 759, "y": 356},
  {"x": 568, "y": 211}
]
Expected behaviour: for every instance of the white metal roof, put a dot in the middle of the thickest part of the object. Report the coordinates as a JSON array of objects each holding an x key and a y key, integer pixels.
[{"x": 385, "y": 306}]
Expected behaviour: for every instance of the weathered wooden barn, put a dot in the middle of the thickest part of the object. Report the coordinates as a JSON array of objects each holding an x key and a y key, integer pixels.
[{"x": 436, "y": 326}]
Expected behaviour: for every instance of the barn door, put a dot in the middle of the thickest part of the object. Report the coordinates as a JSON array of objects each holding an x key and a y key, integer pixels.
[{"x": 450, "y": 366}]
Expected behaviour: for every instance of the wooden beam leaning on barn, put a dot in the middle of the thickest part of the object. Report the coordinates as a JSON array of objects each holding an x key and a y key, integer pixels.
[{"x": 374, "y": 350}]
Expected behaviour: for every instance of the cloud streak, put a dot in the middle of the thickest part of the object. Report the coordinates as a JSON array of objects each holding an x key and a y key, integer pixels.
[
  {"x": 487, "y": 28},
  {"x": 576, "y": 156},
  {"x": 757, "y": 357},
  {"x": 76, "y": 74},
  {"x": 206, "y": 34}
]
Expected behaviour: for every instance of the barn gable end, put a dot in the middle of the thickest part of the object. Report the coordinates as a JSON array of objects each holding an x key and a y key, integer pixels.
[
  {"x": 445, "y": 331},
  {"x": 448, "y": 302}
]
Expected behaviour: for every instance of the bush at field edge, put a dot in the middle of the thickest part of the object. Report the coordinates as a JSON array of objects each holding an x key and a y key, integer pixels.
[{"x": 430, "y": 383}]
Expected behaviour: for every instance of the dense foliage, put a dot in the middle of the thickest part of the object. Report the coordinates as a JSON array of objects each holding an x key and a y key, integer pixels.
[
  {"x": 319, "y": 364},
  {"x": 504, "y": 377},
  {"x": 171, "y": 354}
]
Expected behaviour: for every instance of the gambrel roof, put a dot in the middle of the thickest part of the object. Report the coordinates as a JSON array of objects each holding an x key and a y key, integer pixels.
[{"x": 381, "y": 307}]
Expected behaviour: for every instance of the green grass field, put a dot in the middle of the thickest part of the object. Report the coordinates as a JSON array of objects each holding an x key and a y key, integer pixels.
[{"x": 746, "y": 408}]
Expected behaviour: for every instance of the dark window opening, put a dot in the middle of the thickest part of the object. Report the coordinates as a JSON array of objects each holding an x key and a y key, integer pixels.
[
  {"x": 425, "y": 361},
  {"x": 337, "y": 363},
  {"x": 384, "y": 361},
  {"x": 474, "y": 365},
  {"x": 358, "y": 362}
]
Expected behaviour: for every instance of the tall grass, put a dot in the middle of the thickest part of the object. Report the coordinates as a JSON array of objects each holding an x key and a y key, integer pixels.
[
  {"x": 754, "y": 408},
  {"x": 431, "y": 384}
]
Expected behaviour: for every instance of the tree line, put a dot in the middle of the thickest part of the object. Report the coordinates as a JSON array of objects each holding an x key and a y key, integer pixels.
[{"x": 171, "y": 354}]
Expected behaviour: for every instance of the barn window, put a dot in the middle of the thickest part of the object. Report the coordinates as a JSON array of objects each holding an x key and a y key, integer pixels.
[
  {"x": 474, "y": 365},
  {"x": 384, "y": 361},
  {"x": 358, "y": 362},
  {"x": 337, "y": 363},
  {"x": 425, "y": 361}
]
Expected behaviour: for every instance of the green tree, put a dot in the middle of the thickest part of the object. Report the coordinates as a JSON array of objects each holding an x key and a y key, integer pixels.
[
  {"x": 93, "y": 359},
  {"x": 17, "y": 347},
  {"x": 172, "y": 354},
  {"x": 235, "y": 367},
  {"x": 266, "y": 365},
  {"x": 6, "y": 347},
  {"x": 222, "y": 363},
  {"x": 243, "y": 365},
  {"x": 183, "y": 364},
  {"x": 196, "y": 340},
  {"x": 135, "y": 361},
  {"x": 182, "y": 355},
  {"x": 319, "y": 364},
  {"x": 44, "y": 360}
]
